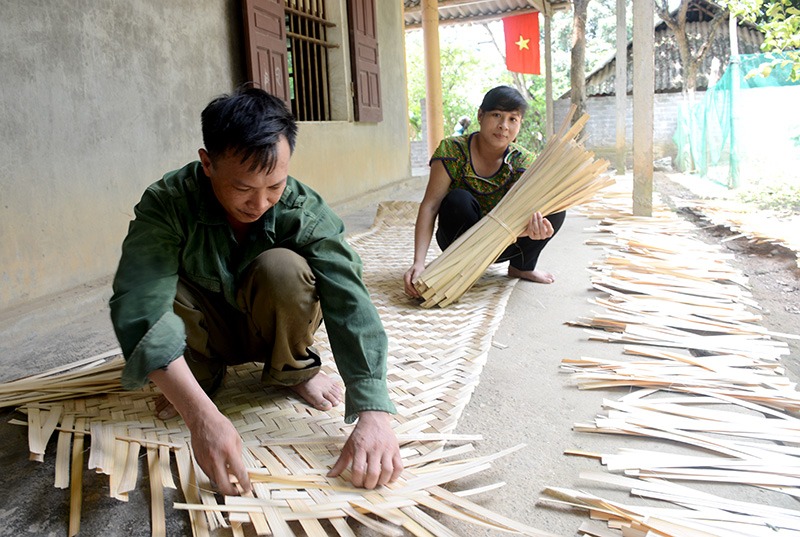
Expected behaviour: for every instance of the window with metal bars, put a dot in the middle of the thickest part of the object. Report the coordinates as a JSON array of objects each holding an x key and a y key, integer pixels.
[
  {"x": 291, "y": 53},
  {"x": 307, "y": 47}
]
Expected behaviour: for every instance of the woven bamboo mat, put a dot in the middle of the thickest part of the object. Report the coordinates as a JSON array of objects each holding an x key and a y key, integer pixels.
[{"x": 435, "y": 361}]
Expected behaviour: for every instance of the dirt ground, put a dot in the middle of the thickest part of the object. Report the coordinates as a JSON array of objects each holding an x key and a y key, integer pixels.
[{"x": 772, "y": 270}]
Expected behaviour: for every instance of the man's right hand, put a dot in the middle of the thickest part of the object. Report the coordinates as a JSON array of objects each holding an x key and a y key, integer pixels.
[
  {"x": 217, "y": 448},
  {"x": 216, "y": 443}
]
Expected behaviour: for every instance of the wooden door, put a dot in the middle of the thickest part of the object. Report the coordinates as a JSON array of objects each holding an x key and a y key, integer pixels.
[
  {"x": 364, "y": 60},
  {"x": 265, "y": 44}
]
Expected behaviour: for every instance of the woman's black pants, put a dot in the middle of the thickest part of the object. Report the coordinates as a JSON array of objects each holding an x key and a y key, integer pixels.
[{"x": 460, "y": 211}]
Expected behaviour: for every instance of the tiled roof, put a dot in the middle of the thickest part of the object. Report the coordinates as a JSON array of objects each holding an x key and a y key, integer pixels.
[
  {"x": 668, "y": 69},
  {"x": 466, "y": 11}
]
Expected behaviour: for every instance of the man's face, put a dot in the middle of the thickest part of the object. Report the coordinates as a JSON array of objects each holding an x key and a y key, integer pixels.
[{"x": 246, "y": 194}]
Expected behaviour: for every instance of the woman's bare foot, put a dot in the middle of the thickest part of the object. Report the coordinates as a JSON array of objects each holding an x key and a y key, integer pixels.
[
  {"x": 538, "y": 276},
  {"x": 164, "y": 409},
  {"x": 320, "y": 391}
]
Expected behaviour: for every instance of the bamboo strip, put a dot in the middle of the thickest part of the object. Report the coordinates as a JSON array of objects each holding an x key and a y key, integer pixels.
[
  {"x": 63, "y": 452},
  {"x": 341, "y": 439},
  {"x": 158, "y": 524},
  {"x": 76, "y": 477},
  {"x": 199, "y": 522},
  {"x": 41, "y": 426},
  {"x": 119, "y": 463},
  {"x": 428, "y": 522},
  {"x": 258, "y": 517},
  {"x": 484, "y": 514},
  {"x": 379, "y": 527},
  {"x": 166, "y": 472},
  {"x": 131, "y": 472},
  {"x": 312, "y": 527},
  {"x": 682, "y": 495}
]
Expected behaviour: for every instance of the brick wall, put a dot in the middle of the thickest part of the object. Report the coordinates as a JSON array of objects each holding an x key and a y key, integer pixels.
[
  {"x": 600, "y": 131},
  {"x": 419, "y": 148},
  {"x": 419, "y": 154}
]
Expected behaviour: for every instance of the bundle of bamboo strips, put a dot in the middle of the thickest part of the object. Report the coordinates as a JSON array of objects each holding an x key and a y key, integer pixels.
[
  {"x": 564, "y": 175},
  {"x": 92, "y": 376}
]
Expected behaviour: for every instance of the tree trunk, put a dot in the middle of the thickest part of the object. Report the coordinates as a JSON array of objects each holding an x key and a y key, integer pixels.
[
  {"x": 690, "y": 60},
  {"x": 577, "y": 74}
]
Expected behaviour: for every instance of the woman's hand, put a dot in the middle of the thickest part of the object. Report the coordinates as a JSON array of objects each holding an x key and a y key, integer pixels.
[
  {"x": 539, "y": 228},
  {"x": 409, "y": 277}
]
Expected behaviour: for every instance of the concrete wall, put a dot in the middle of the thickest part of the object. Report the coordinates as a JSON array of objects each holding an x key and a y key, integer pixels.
[
  {"x": 98, "y": 98},
  {"x": 601, "y": 134}
]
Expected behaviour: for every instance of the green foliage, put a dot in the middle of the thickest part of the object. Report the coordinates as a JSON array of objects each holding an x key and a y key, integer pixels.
[
  {"x": 780, "y": 22},
  {"x": 468, "y": 71},
  {"x": 472, "y": 66},
  {"x": 459, "y": 68},
  {"x": 783, "y": 197},
  {"x": 531, "y": 133},
  {"x": 601, "y": 39}
]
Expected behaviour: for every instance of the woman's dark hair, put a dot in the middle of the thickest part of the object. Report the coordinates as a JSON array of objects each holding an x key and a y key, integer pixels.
[
  {"x": 249, "y": 122},
  {"x": 505, "y": 99}
]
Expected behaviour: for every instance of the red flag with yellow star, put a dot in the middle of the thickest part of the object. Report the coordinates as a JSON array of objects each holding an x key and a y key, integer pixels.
[{"x": 522, "y": 43}]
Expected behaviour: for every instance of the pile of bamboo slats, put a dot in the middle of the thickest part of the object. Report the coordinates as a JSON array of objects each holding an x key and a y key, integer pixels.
[
  {"x": 725, "y": 375},
  {"x": 707, "y": 379},
  {"x": 698, "y": 514},
  {"x": 96, "y": 375},
  {"x": 436, "y": 358},
  {"x": 563, "y": 176}
]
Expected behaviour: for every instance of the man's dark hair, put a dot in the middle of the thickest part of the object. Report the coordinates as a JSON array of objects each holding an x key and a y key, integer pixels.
[
  {"x": 505, "y": 99},
  {"x": 249, "y": 122}
]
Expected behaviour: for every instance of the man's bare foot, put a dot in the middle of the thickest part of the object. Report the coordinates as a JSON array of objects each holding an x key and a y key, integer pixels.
[
  {"x": 538, "y": 276},
  {"x": 320, "y": 391},
  {"x": 164, "y": 409}
]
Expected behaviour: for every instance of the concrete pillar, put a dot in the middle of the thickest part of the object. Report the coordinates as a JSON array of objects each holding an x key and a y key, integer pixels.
[
  {"x": 643, "y": 87},
  {"x": 548, "y": 79},
  {"x": 433, "y": 74},
  {"x": 733, "y": 165},
  {"x": 621, "y": 86}
]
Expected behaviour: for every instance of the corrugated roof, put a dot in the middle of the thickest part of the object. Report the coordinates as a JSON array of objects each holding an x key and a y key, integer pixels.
[{"x": 467, "y": 11}]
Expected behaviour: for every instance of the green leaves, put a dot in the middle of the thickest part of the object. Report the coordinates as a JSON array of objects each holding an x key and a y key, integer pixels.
[{"x": 780, "y": 22}]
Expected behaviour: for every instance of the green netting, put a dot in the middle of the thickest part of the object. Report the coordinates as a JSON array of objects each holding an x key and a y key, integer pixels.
[{"x": 746, "y": 129}]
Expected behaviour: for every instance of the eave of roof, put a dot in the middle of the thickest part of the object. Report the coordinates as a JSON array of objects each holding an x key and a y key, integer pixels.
[{"x": 470, "y": 11}]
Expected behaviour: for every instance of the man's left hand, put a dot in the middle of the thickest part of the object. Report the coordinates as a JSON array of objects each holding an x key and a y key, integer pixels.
[{"x": 372, "y": 452}]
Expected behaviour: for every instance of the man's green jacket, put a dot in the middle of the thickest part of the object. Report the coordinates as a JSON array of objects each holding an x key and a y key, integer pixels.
[{"x": 180, "y": 229}]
